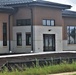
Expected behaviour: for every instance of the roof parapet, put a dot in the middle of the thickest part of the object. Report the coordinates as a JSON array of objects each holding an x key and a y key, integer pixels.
[
  {"x": 50, "y": 4},
  {"x": 9, "y": 4},
  {"x": 68, "y": 13}
]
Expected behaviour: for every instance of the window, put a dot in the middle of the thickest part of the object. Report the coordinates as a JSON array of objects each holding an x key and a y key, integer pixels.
[
  {"x": 19, "y": 39},
  {"x": 52, "y": 22},
  {"x": 23, "y": 22},
  {"x": 71, "y": 34},
  {"x": 28, "y": 22},
  {"x": 4, "y": 34},
  {"x": 28, "y": 39},
  {"x": 49, "y": 22},
  {"x": 44, "y": 22}
]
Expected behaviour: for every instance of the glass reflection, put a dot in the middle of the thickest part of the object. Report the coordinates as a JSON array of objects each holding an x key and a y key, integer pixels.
[{"x": 71, "y": 34}]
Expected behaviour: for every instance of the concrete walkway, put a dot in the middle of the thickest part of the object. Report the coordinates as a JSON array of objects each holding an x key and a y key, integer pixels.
[{"x": 68, "y": 73}]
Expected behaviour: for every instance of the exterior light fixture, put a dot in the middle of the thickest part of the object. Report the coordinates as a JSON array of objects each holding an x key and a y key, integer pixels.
[{"x": 49, "y": 30}]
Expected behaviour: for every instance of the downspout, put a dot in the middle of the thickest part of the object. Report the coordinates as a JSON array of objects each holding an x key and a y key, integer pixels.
[
  {"x": 31, "y": 30},
  {"x": 9, "y": 17}
]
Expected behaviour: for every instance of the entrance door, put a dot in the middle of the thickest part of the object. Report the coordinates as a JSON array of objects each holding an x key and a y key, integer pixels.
[{"x": 49, "y": 42}]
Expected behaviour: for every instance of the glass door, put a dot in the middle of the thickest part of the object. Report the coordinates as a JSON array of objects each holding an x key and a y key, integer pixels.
[{"x": 49, "y": 42}]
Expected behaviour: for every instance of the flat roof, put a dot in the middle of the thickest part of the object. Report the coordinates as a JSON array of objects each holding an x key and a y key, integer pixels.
[
  {"x": 32, "y": 2},
  {"x": 11, "y": 4},
  {"x": 6, "y": 2},
  {"x": 68, "y": 13}
]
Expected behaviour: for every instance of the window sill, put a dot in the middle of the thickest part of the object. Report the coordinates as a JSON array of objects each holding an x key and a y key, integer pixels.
[
  {"x": 19, "y": 46},
  {"x": 22, "y": 25},
  {"x": 4, "y": 46},
  {"x": 28, "y": 46},
  {"x": 71, "y": 44},
  {"x": 49, "y": 25}
]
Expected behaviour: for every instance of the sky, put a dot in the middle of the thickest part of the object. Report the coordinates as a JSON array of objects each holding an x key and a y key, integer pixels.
[{"x": 69, "y": 2}]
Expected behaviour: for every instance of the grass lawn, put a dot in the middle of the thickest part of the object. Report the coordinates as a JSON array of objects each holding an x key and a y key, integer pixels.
[{"x": 45, "y": 70}]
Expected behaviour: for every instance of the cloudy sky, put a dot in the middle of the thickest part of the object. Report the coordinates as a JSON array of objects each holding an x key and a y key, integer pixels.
[{"x": 69, "y": 2}]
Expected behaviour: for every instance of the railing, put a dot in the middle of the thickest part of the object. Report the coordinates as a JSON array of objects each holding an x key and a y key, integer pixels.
[
  {"x": 39, "y": 62},
  {"x": 30, "y": 60}
]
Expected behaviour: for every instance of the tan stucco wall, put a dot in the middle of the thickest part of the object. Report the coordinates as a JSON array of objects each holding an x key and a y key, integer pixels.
[
  {"x": 38, "y": 37},
  {"x": 68, "y": 47},
  {"x": 23, "y": 30},
  {"x": 38, "y": 32}
]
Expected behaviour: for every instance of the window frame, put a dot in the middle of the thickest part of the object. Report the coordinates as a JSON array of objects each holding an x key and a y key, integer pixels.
[
  {"x": 69, "y": 34},
  {"x": 44, "y": 24},
  {"x": 23, "y": 22},
  {"x": 28, "y": 35},
  {"x": 47, "y": 22},
  {"x": 4, "y": 34},
  {"x": 17, "y": 37},
  {"x": 53, "y": 21}
]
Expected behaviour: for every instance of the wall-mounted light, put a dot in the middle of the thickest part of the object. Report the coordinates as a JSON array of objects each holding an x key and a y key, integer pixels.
[{"x": 49, "y": 30}]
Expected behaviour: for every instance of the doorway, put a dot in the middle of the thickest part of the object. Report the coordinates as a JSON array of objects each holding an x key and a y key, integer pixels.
[{"x": 49, "y": 42}]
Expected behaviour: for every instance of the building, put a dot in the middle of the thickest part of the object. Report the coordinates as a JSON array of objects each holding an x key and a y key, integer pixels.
[{"x": 38, "y": 26}]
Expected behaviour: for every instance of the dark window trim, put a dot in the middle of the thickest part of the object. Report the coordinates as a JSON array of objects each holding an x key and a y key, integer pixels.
[
  {"x": 53, "y": 42},
  {"x": 18, "y": 39},
  {"x": 72, "y": 34},
  {"x": 27, "y": 39},
  {"x": 23, "y": 22},
  {"x": 4, "y": 34},
  {"x": 50, "y": 22}
]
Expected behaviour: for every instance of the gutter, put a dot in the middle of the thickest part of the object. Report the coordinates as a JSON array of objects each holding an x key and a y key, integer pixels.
[
  {"x": 9, "y": 19},
  {"x": 31, "y": 11}
]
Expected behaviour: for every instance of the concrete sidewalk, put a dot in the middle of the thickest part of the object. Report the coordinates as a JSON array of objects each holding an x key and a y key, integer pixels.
[{"x": 67, "y": 73}]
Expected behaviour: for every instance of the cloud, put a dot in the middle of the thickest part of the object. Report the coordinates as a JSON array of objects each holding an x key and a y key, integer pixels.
[
  {"x": 69, "y": 2},
  {"x": 72, "y": 1},
  {"x": 73, "y": 4},
  {"x": 60, "y": 1}
]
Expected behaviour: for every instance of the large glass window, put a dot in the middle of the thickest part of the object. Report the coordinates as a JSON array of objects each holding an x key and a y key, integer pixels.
[
  {"x": 49, "y": 22},
  {"x": 19, "y": 39},
  {"x": 71, "y": 34},
  {"x": 4, "y": 34},
  {"x": 28, "y": 39},
  {"x": 23, "y": 22}
]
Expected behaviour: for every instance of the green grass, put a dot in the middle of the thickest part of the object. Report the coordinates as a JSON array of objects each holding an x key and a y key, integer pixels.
[{"x": 37, "y": 70}]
